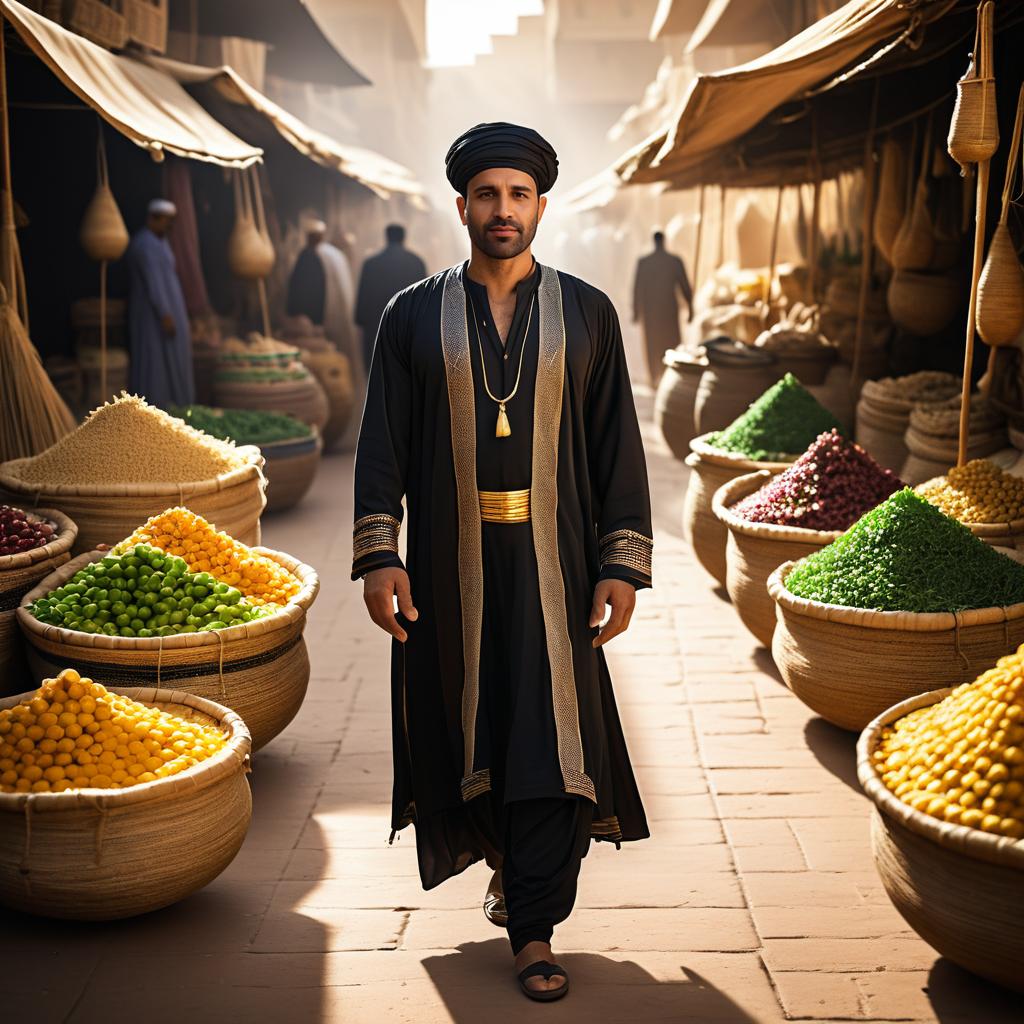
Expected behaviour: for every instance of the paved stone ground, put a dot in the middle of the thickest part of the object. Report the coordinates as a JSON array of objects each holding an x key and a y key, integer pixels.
[{"x": 755, "y": 900}]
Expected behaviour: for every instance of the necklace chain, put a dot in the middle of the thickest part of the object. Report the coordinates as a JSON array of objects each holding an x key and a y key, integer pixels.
[{"x": 483, "y": 366}]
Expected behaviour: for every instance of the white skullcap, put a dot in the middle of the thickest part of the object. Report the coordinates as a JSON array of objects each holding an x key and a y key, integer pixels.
[
  {"x": 161, "y": 208},
  {"x": 313, "y": 225}
]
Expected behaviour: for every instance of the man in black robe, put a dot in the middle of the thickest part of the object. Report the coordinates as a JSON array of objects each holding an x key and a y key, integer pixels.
[
  {"x": 384, "y": 275},
  {"x": 307, "y": 286},
  {"x": 499, "y": 408},
  {"x": 659, "y": 284}
]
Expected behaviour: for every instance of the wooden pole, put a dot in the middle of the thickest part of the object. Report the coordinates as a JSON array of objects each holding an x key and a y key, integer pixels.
[
  {"x": 721, "y": 226},
  {"x": 261, "y": 287},
  {"x": 867, "y": 241},
  {"x": 104, "y": 395},
  {"x": 767, "y": 293},
  {"x": 979, "y": 252},
  {"x": 697, "y": 242}
]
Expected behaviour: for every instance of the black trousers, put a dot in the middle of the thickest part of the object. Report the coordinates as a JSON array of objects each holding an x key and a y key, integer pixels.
[{"x": 544, "y": 842}]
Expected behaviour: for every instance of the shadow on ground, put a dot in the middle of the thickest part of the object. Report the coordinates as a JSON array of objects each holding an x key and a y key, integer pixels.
[
  {"x": 476, "y": 984},
  {"x": 835, "y": 749},
  {"x": 958, "y": 996}
]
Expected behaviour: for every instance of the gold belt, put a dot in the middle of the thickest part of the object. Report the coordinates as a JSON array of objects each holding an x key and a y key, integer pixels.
[{"x": 505, "y": 506}]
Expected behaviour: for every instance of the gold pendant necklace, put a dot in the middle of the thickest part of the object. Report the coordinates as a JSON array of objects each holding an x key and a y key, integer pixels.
[{"x": 502, "y": 427}]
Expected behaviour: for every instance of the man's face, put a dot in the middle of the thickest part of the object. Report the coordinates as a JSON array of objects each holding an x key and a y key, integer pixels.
[
  {"x": 501, "y": 211},
  {"x": 160, "y": 223}
]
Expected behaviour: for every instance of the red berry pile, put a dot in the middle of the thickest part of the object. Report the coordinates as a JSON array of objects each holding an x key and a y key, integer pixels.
[
  {"x": 18, "y": 533},
  {"x": 829, "y": 487}
]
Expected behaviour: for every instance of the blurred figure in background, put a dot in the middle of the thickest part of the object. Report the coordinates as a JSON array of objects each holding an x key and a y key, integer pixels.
[
  {"x": 383, "y": 275},
  {"x": 161, "y": 344},
  {"x": 660, "y": 280}
]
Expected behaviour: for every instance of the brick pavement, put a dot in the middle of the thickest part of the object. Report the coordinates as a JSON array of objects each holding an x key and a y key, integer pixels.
[{"x": 755, "y": 900}]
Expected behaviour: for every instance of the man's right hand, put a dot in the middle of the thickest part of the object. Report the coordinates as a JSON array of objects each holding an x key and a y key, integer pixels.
[
  {"x": 380, "y": 588},
  {"x": 168, "y": 326}
]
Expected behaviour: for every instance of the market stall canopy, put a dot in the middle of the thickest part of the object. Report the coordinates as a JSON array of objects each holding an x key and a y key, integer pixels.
[
  {"x": 676, "y": 17},
  {"x": 141, "y": 102},
  {"x": 593, "y": 194},
  {"x": 749, "y": 22},
  {"x": 802, "y": 110},
  {"x": 233, "y": 101},
  {"x": 298, "y": 47}
]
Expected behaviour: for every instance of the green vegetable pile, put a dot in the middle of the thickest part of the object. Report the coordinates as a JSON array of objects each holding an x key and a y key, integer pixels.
[
  {"x": 244, "y": 426},
  {"x": 906, "y": 555},
  {"x": 780, "y": 425},
  {"x": 144, "y": 592}
]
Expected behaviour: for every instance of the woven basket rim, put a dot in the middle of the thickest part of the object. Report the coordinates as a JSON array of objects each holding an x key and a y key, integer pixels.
[
  {"x": 253, "y": 464},
  {"x": 743, "y": 486},
  {"x": 971, "y": 842},
  {"x": 290, "y": 613},
  {"x": 224, "y": 763},
  {"x": 716, "y": 457},
  {"x": 981, "y": 529},
  {"x": 313, "y": 438},
  {"x": 67, "y": 531},
  {"x": 867, "y": 618}
]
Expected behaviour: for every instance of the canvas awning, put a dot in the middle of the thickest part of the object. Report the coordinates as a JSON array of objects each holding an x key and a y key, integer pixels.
[
  {"x": 712, "y": 140},
  {"x": 141, "y": 102},
  {"x": 676, "y": 17},
  {"x": 232, "y": 99}
]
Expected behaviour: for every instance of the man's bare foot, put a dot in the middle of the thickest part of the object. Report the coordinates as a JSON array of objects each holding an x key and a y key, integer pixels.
[{"x": 530, "y": 954}]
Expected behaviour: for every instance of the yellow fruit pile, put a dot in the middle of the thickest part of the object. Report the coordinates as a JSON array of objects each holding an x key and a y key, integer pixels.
[
  {"x": 978, "y": 492},
  {"x": 962, "y": 759},
  {"x": 181, "y": 532},
  {"x": 75, "y": 734}
]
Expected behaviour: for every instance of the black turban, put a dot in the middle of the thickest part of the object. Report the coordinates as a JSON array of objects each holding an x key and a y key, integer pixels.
[{"x": 501, "y": 145}]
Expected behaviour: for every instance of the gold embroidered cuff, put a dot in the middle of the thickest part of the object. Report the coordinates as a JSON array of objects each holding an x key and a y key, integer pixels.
[
  {"x": 629, "y": 549},
  {"x": 374, "y": 533}
]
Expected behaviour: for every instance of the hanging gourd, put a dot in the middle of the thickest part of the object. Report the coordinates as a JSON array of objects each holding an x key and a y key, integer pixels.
[
  {"x": 250, "y": 253},
  {"x": 1000, "y": 310},
  {"x": 103, "y": 234},
  {"x": 104, "y": 238},
  {"x": 914, "y": 245},
  {"x": 974, "y": 129},
  {"x": 890, "y": 205}
]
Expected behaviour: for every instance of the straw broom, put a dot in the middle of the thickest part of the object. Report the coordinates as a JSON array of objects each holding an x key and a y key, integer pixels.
[{"x": 32, "y": 415}]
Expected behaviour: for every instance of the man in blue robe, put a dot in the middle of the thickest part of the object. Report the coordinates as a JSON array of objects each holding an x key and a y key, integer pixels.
[{"x": 161, "y": 345}]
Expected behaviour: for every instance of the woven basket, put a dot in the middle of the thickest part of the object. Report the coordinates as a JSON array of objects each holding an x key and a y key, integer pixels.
[
  {"x": 726, "y": 392},
  {"x": 18, "y": 575},
  {"x": 675, "y": 401},
  {"x": 107, "y": 513},
  {"x": 889, "y": 207},
  {"x": 850, "y": 664},
  {"x": 755, "y": 550},
  {"x": 290, "y": 470},
  {"x": 924, "y": 303},
  {"x": 1000, "y": 307},
  {"x": 710, "y": 470},
  {"x": 303, "y": 399},
  {"x": 334, "y": 374},
  {"x": 259, "y": 669},
  {"x": 974, "y": 127},
  {"x": 960, "y": 889},
  {"x": 881, "y": 433},
  {"x": 100, "y": 22},
  {"x": 147, "y": 23},
  {"x": 929, "y": 456},
  {"x": 103, "y": 854}
]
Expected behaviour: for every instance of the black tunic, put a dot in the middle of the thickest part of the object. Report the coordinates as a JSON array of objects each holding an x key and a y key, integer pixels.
[{"x": 515, "y": 740}]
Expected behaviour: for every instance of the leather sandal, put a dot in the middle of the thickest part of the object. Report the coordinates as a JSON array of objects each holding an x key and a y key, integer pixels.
[
  {"x": 547, "y": 971},
  {"x": 494, "y": 902}
]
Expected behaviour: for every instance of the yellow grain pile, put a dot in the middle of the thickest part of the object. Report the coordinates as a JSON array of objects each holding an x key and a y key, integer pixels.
[
  {"x": 962, "y": 760},
  {"x": 130, "y": 441},
  {"x": 978, "y": 492}
]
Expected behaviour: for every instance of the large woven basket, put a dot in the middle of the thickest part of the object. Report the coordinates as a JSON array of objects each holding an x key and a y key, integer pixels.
[
  {"x": 754, "y": 551},
  {"x": 881, "y": 431},
  {"x": 960, "y": 889},
  {"x": 102, "y": 854},
  {"x": 725, "y": 392},
  {"x": 304, "y": 399},
  {"x": 850, "y": 664},
  {"x": 19, "y": 574},
  {"x": 334, "y": 374},
  {"x": 107, "y": 513},
  {"x": 710, "y": 470},
  {"x": 259, "y": 669},
  {"x": 929, "y": 456},
  {"x": 675, "y": 400},
  {"x": 290, "y": 470},
  {"x": 997, "y": 535}
]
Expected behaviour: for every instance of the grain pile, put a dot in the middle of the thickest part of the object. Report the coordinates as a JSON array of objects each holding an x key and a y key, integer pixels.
[
  {"x": 978, "y": 492},
  {"x": 130, "y": 441}
]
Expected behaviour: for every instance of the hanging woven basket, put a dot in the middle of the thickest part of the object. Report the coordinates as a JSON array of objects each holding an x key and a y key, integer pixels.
[
  {"x": 924, "y": 303},
  {"x": 960, "y": 889},
  {"x": 890, "y": 205},
  {"x": 250, "y": 254},
  {"x": 914, "y": 245},
  {"x": 974, "y": 129},
  {"x": 103, "y": 234}
]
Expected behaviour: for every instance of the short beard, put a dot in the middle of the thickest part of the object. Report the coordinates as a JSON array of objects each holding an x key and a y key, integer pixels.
[{"x": 497, "y": 249}]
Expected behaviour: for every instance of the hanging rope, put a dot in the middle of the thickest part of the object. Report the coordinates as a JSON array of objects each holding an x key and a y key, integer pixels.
[
  {"x": 103, "y": 176},
  {"x": 867, "y": 239},
  {"x": 697, "y": 242},
  {"x": 721, "y": 226}
]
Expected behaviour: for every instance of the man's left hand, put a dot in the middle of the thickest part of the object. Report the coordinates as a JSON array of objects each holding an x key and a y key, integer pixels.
[{"x": 621, "y": 596}]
